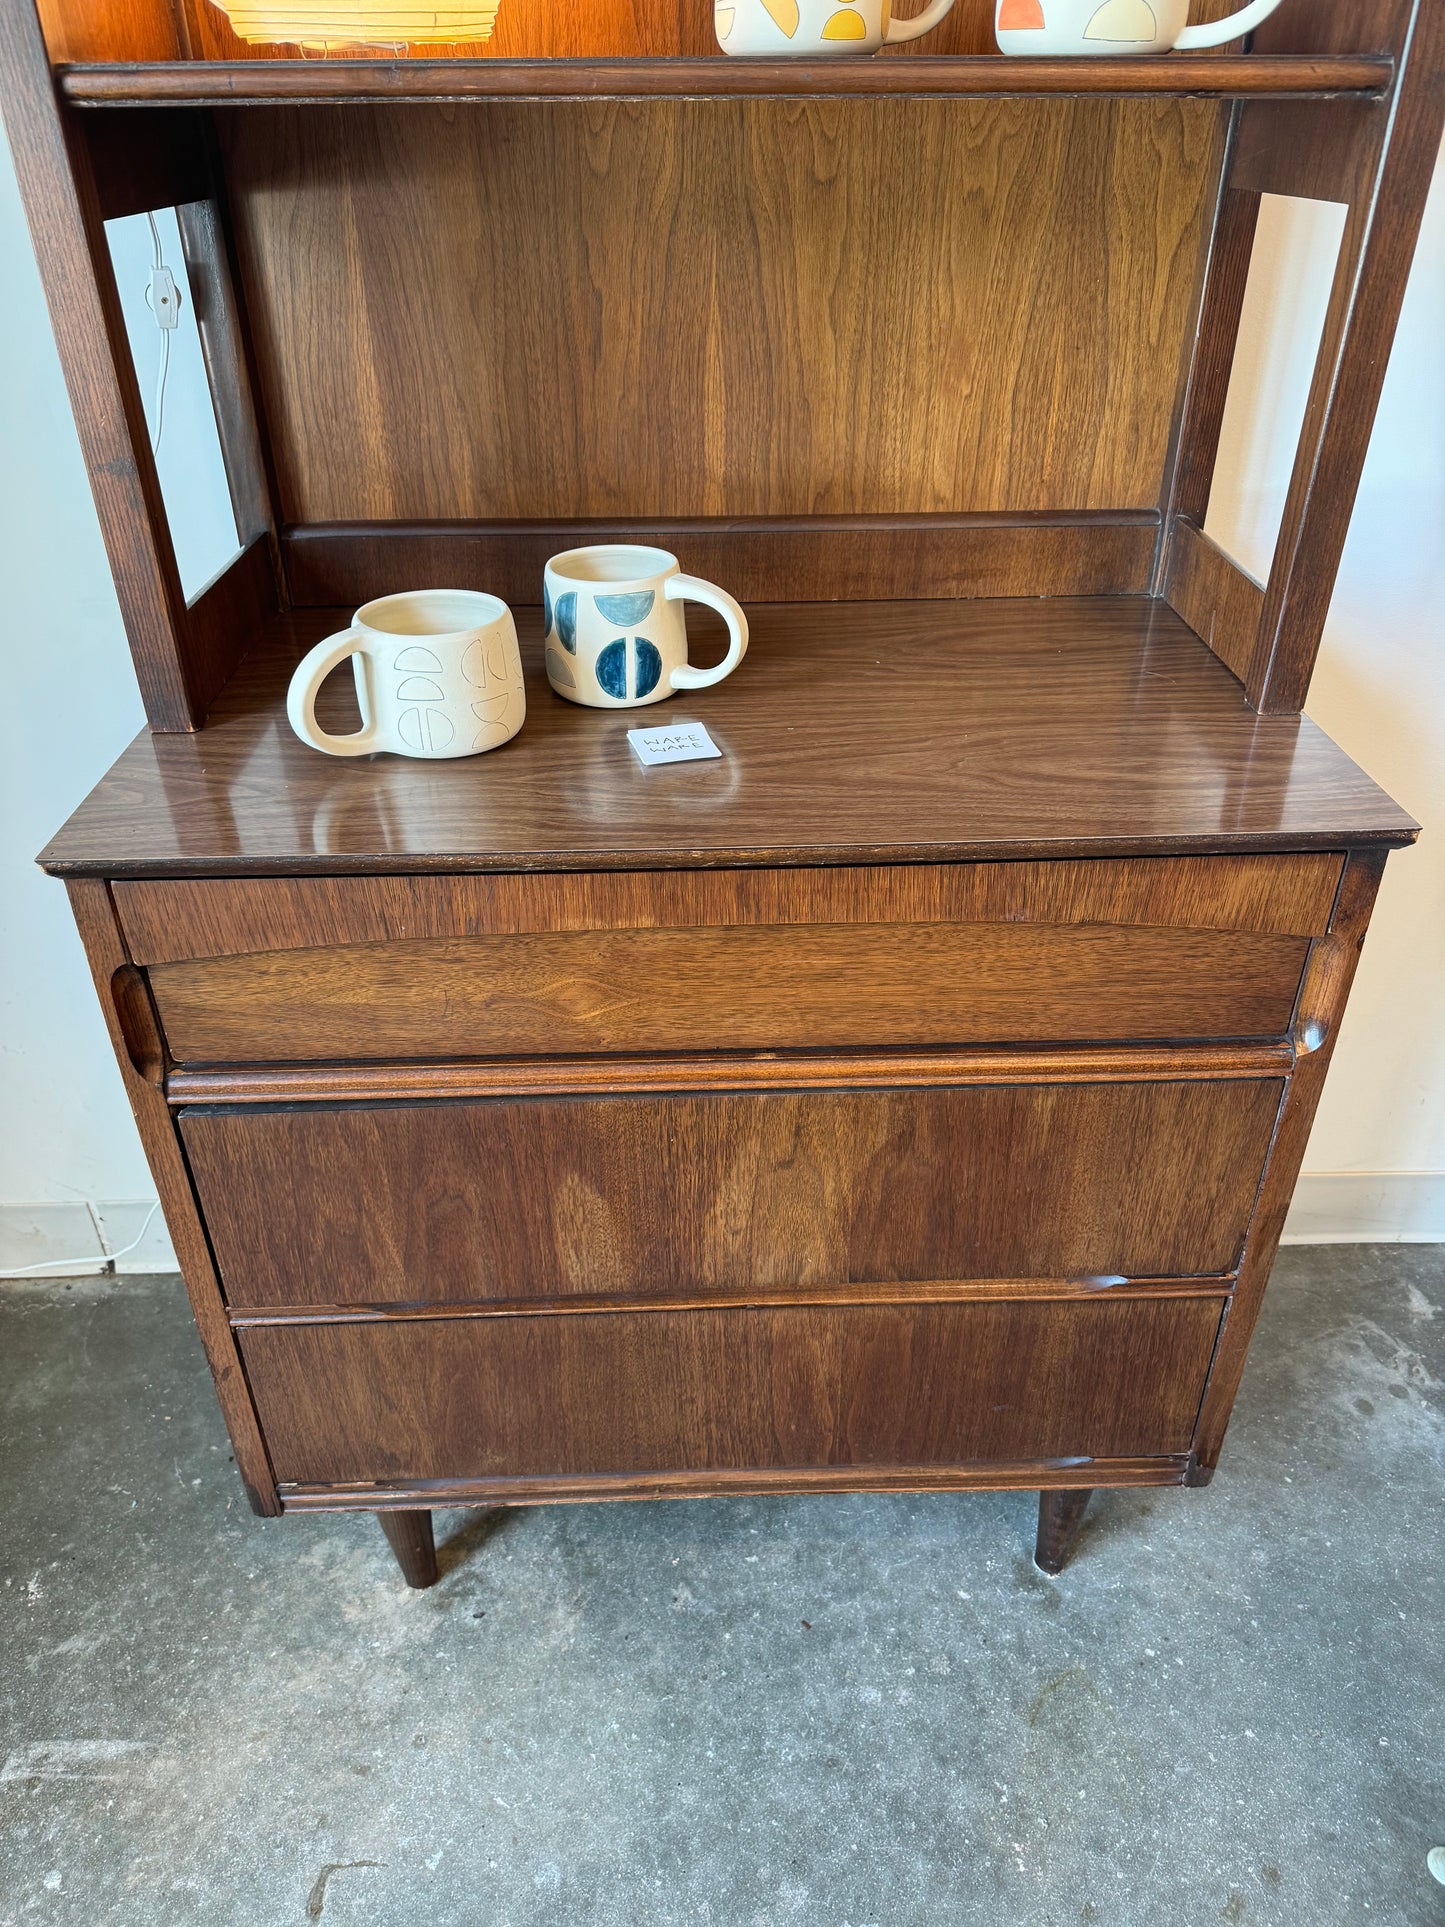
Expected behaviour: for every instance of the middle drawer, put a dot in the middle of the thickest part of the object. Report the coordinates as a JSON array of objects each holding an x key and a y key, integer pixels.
[{"x": 659, "y": 1196}]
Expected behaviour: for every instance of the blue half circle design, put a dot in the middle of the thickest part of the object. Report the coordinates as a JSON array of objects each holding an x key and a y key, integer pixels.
[
  {"x": 567, "y": 621},
  {"x": 612, "y": 669},
  {"x": 626, "y": 609},
  {"x": 546, "y": 609},
  {"x": 649, "y": 665}
]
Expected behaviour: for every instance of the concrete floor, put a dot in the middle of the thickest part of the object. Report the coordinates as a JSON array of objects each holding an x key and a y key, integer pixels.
[{"x": 836, "y": 1712}]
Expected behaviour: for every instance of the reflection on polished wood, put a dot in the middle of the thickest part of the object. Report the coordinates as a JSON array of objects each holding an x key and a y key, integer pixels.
[{"x": 852, "y": 733}]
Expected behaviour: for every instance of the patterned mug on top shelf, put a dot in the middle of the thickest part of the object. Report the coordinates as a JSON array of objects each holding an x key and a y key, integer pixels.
[
  {"x": 616, "y": 637},
  {"x": 814, "y": 27},
  {"x": 1083, "y": 27}
]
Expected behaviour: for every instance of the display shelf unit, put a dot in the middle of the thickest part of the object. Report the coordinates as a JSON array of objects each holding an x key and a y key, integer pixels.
[{"x": 910, "y": 1099}]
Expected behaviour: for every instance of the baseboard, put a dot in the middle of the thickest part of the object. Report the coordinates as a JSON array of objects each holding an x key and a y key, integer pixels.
[
  {"x": 1367, "y": 1207},
  {"x": 75, "y": 1238}
]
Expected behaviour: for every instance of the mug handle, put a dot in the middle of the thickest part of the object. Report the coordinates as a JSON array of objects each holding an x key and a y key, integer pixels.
[
  {"x": 312, "y": 670},
  {"x": 922, "y": 23},
  {"x": 692, "y": 588},
  {"x": 1214, "y": 33}
]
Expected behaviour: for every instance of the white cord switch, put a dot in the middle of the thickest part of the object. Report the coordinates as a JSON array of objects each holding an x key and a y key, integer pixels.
[{"x": 165, "y": 298}]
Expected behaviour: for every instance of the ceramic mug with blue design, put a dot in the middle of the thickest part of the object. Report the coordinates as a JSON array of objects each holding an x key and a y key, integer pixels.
[{"x": 616, "y": 636}]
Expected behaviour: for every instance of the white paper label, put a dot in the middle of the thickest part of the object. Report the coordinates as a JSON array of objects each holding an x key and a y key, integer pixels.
[{"x": 680, "y": 743}]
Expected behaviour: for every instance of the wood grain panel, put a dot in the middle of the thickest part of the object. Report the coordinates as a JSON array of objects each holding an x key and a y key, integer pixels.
[
  {"x": 854, "y": 1386},
  {"x": 224, "y": 617},
  {"x": 752, "y": 987},
  {"x": 1231, "y": 248},
  {"x": 227, "y": 353},
  {"x": 1221, "y": 602},
  {"x": 811, "y": 326},
  {"x": 806, "y": 559},
  {"x": 221, "y": 917},
  {"x": 118, "y": 30},
  {"x": 539, "y": 1198}
]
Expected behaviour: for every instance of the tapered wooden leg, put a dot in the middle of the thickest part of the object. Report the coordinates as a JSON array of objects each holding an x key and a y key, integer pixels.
[
  {"x": 410, "y": 1537},
  {"x": 1060, "y": 1516}
]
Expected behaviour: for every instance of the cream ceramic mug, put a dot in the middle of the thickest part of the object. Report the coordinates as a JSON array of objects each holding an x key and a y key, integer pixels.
[
  {"x": 438, "y": 674},
  {"x": 813, "y": 27},
  {"x": 616, "y": 636},
  {"x": 1114, "y": 26}
]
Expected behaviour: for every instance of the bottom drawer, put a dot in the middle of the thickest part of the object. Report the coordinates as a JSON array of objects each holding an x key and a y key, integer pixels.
[{"x": 733, "y": 1389}]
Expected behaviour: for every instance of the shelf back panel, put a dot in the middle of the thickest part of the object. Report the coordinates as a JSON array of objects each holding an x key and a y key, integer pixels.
[
  {"x": 526, "y": 29},
  {"x": 711, "y": 308},
  {"x": 124, "y": 30},
  {"x": 117, "y": 30}
]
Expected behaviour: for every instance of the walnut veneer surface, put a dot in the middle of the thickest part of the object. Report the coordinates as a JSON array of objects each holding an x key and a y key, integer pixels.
[
  {"x": 858, "y": 1386},
  {"x": 777, "y": 346},
  {"x": 728, "y": 1193},
  {"x": 859, "y": 732}
]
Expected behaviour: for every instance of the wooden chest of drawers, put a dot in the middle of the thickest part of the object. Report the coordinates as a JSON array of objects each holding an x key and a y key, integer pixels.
[
  {"x": 622, "y": 1181},
  {"x": 529, "y": 1187}
]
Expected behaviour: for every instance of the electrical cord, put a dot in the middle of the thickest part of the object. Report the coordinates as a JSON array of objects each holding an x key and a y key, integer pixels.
[
  {"x": 164, "y": 300},
  {"x": 89, "y": 1258}
]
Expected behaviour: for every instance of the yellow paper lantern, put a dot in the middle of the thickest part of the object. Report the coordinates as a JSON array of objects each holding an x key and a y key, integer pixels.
[{"x": 334, "y": 24}]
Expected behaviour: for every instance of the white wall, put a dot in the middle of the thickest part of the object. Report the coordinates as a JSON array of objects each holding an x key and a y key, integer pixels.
[
  {"x": 72, "y": 1177},
  {"x": 68, "y": 1149}
]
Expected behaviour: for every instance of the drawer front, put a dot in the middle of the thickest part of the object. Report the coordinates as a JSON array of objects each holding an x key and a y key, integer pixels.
[
  {"x": 834, "y": 986},
  {"x": 730, "y": 1390},
  {"x": 428, "y": 968},
  {"x": 185, "y": 920},
  {"x": 516, "y": 1199}
]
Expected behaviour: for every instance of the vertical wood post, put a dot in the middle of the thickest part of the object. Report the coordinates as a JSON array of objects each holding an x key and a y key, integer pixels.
[
  {"x": 1378, "y": 157},
  {"x": 1328, "y": 975}
]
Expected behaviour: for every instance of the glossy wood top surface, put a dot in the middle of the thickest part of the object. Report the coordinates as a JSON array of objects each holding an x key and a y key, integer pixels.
[{"x": 853, "y": 731}]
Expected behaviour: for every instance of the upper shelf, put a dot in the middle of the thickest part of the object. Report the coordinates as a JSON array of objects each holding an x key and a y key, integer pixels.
[{"x": 258, "y": 82}]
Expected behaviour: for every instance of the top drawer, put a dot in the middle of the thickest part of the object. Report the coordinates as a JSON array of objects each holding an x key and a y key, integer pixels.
[{"x": 297, "y": 969}]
